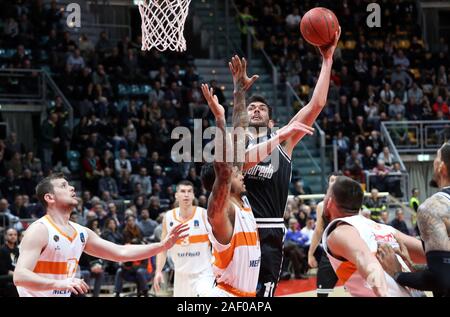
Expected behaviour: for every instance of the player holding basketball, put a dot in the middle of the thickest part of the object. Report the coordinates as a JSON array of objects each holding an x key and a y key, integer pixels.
[
  {"x": 351, "y": 241},
  {"x": 52, "y": 245},
  {"x": 192, "y": 256},
  {"x": 268, "y": 186},
  {"x": 233, "y": 231}
]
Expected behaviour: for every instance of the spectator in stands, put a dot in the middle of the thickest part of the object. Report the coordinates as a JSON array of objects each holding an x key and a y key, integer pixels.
[
  {"x": 76, "y": 61},
  {"x": 343, "y": 147},
  {"x": 33, "y": 164},
  {"x": 131, "y": 232},
  {"x": 137, "y": 271},
  {"x": 386, "y": 156},
  {"x": 381, "y": 172},
  {"x": 18, "y": 208},
  {"x": 10, "y": 185},
  {"x": 92, "y": 170},
  {"x": 146, "y": 225},
  {"x": 369, "y": 159},
  {"x": 399, "y": 222},
  {"x": 397, "y": 108},
  {"x": 441, "y": 105},
  {"x": 300, "y": 188},
  {"x": 108, "y": 183},
  {"x": 110, "y": 231},
  {"x": 375, "y": 205},
  {"x": 294, "y": 248},
  {"x": 402, "y": 76},
  {"x": 92, "y": 268},
  {"x": 122, "y": 164},
  {"x": 101, "y": 81},
  {"x": 7, "y": 218},
  {"x": 94, "y": 225},
  {"x": 308, "y": 231},
  {"x": 415, "y": 92},
  {"x": 384, "y": 217},
  {"x": 154, "y": 207},
  {"x": 293, "y": 20},
  {"x": 13, "y": 145},
  {"x": 144, "y": 180},
  {"x": 9, "y": 254},
  {"x": 400, "y": 59},
  {"x": 49, "y": 140},
  {"x": 124, "y": 186},
  {"x": 353, "y": 167},
  {"x": 387, "y": 97}
]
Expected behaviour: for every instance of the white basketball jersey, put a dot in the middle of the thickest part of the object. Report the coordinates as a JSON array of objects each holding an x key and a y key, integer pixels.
[
  {"x": 236, "y": 265},
  {"x": 193, "y": 253},
  {"x": 371, "y": 233},
  {"x": 59, "y": 259}
]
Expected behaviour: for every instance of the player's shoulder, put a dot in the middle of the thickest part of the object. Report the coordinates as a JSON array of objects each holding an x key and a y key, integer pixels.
[
  {"x": 437, "y": 204},
  {"x": 37, "y": 232}
]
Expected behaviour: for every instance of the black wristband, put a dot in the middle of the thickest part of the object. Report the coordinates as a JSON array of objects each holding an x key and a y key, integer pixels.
[{"x": 396, "y": 275}]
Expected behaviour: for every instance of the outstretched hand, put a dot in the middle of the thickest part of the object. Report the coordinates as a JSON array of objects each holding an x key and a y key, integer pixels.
[
  {"x": 294, "y": 128},
  {"x": 328, "y": 51},
  {"x": 177, "y": 232},
  {"x": 238, "y": 69},
  {"x": 213, "y": 102}
]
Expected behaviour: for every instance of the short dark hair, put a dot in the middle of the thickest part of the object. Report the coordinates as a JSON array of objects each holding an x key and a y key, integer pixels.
[
  {"x": 184, "y": 182},
  {"x": 348, "y": 194},
  {"x": 259, "y": 98},
  {"x": 208, "y": 176},
  {"x": 45, "y": 186},
  {"x": 445, "y": 155}
]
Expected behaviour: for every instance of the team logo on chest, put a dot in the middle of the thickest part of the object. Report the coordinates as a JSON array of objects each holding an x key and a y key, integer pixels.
[
  {"x": 196, "y": 223},
  {"x": 56, "y": 238},
  {"x": 82, "y": 237}
]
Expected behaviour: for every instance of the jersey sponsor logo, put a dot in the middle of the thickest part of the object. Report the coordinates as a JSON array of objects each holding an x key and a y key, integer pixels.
[
  {"x": 56, "y": 238},
  {"x": 171, "y": 224},
  {"x": 262, "y": 172},
  {"x": 60, "y": 292},
  {"x": 254, "y": 263},
  {"x": 188, "y": 254},
  {"x": 82, "y": 238},
  {"x": 196, "y": 223}
]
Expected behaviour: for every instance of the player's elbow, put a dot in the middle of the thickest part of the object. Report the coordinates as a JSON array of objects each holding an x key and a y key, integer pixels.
[{"x": 18, "y": 277}]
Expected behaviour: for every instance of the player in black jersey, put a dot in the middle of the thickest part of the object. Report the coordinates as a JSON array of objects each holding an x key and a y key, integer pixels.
[
  {"x": 433, "y": 218},
  {"x": 267, "y": 179}
]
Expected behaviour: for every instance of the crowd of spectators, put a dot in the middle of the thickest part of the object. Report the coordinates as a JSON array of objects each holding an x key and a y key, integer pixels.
[
  {"x": 379, "y": 74},
  {"x": 126, "y": 103}
]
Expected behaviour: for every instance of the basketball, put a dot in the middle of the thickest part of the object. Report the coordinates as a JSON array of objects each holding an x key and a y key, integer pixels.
[{"x": 318, "y": 26}]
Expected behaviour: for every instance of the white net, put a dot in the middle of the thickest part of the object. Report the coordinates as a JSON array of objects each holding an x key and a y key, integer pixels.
[{"x": 163, "y": 24}]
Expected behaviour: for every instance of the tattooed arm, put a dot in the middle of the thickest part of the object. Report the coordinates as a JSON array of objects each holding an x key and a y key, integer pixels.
[
  {"x": 219, "y": 210},
  {"x": 241, "y": 83},
  {"x": 433, "y": 219}
]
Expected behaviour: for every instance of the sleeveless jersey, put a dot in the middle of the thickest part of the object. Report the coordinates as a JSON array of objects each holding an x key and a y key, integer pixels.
[
  {"x": 236, "y": 265},
  {"x": 193, "y": 253},
  {"x": 371, "y": 233},
  {"x": 59, "y": 259},
  {"x": 267, "y": 185}
]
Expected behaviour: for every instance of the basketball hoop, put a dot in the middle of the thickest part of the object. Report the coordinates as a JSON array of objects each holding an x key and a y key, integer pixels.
[{"x": 163, "y": 24}]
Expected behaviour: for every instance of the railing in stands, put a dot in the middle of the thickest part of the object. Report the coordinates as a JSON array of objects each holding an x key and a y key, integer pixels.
[
  {"x": 417, "y": 137},
  {"x": 31, "y": 87}
]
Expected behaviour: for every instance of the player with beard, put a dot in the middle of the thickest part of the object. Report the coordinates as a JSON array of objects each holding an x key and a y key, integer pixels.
[
  {"x": 433, "y": 219},
  {"x": 52, "y": 245}
]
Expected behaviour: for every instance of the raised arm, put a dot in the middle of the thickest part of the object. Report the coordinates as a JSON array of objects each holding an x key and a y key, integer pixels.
[
  {"x": 218, "y": 204},
  {"x": 346, "y": 242},
  {"x": 104, "y": 249},
  {"x": 34, "y": 241},
  {"x": 241, "y": 83},
  {"x": 311, "y": 111}
]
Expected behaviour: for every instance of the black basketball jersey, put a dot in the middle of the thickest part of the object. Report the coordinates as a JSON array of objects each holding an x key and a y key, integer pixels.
[{"x": 267, "y": 184}]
